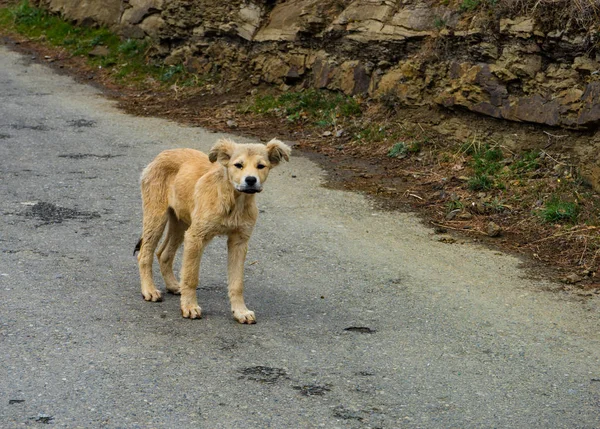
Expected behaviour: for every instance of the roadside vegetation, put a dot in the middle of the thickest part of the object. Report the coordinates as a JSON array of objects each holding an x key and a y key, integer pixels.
[
  {"x": 126, "y": 61},
  {"x": 575, "y": 14},
  {"x": 537, "y": 199}
]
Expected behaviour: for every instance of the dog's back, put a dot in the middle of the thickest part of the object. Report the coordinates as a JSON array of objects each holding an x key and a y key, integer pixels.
[
  {"x": 185, "y": 166},
  {"x": 169, "y": 163}
]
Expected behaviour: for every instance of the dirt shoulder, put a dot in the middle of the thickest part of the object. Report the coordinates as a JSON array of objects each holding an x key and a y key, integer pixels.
[{"x": 427, "y": 174}]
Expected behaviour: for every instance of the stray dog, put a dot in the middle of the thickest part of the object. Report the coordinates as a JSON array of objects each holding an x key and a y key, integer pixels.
[{"x": 200, "y": 197}]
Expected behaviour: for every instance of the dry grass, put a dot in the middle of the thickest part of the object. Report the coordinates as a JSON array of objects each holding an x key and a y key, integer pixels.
[{"x": 573, "y": 14}]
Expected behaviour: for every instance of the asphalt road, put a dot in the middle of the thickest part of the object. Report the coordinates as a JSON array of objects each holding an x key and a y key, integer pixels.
[{"x": 364, "y": 318}]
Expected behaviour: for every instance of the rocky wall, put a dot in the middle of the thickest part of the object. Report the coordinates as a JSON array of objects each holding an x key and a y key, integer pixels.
[{"x": 495, "y": 62}]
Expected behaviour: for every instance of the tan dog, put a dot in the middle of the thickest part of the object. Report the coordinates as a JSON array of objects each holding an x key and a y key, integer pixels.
[{"x": 201, "y": 197}]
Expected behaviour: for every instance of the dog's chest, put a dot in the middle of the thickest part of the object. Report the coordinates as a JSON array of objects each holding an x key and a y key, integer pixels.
[{"x": 240, "y": 216}]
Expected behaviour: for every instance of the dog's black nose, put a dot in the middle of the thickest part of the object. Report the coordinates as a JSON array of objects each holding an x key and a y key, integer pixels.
[{"x": 251, "y": 180}]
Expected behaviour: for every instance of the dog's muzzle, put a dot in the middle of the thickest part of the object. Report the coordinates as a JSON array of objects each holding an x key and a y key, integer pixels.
[
  {"x": 250, "y": 185},
  {"x": 250, "y": 190}
]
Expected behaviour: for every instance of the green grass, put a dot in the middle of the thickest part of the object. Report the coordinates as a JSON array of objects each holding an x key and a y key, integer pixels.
[
  {"x": 481, "y": 182},
  {"x": 557, "y": 210},
  {"x": 125, "y": 59},
  {"x": 318, "y": 107},
  {"x": 487, "y": 166},
  {"x": 469, "y": 5},
  {"x": 454, "y": 205},
  {"x": 397, "y": 150},
  {"x": 403, "y": 148},
  {"x": 373, "y": 133},
  {"x": 528, "y": 161}
]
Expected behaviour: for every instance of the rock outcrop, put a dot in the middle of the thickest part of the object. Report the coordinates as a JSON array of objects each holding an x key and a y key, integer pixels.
[
  {"x": 423, "y": 52},
  {"x": 496, "y": 62}
]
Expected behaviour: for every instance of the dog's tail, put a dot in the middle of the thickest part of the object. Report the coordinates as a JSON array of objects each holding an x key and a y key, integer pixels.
[{"x": 138, "y": 246}]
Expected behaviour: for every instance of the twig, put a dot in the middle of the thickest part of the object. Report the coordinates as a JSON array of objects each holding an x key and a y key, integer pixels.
[
  {"x": 551, "y": 142},
  {"x": 555, "y": 136},
  {"x": 584, "y": 250},
  {"x": 572, "y": 231},
  {"x": 457, "y": 229},
  {"x": 414, "y": 195},
  {"x": 555, "y": 160}
]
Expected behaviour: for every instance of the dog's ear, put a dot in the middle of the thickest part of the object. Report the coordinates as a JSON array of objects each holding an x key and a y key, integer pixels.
[
  {"x": 278, "y": 150},
  {"x": 221, "y": 151}
]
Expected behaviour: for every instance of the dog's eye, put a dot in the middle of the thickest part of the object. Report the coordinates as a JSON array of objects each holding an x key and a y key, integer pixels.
[
  {"x": 238, "y": 165},
  {"x": 260, "y": 166}
]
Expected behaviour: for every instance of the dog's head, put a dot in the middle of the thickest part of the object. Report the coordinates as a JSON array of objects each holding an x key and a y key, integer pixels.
[{"x": 248, "y": 165}]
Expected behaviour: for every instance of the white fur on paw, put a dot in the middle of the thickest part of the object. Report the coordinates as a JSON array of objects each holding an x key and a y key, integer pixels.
[
  {"x": 244, "y": 316},
  {"x": 152, "y": 295},
  {"x": 174, "y": 290},
  {"x": 191, "y": 311}
]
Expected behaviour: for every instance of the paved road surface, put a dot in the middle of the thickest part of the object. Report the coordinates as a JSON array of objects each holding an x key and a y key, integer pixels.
[{"x": 364, "y": 319}]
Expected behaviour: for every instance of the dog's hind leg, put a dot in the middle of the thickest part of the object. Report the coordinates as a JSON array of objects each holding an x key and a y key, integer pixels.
[
  {"x": 168, "y": 249},
  {"x": 153, "y": 227}
]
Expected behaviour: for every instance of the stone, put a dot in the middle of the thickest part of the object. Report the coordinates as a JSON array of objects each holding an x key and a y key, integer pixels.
[
  {"x": 152, "y": 25},
  {"x": 521, "y": 26},
  {"x": 178, "y": 56},
  {"x": 493, "y": 229},
  {"x": 274, "y": 69},
  {"x": 249, "y": 18},
  {"x": 88, "y": 12},
  {"x": 464, "y": 215},
  {"x": 586, "y": 64},
  {"x": 131, "y": 32},
  {"x": 572, "y": 279},
  {"x": 589, "y": 114},
  {"x": 99, "y": 51},
  {"x": 452, "y": 214},
  {"x": 140, "y": 9},
  {"x": 286, "y": 19}
]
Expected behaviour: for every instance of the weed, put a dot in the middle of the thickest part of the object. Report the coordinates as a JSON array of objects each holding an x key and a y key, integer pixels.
[
  {"x": 399, "y": 149},
  {"x": 320, "y": 107},
  {"x": 170, "y": 72},
  {"x": 486, "y": 167},
  {"x": 454, "y": 205},
  {"x": 123, "y": 58},
  {"x": 372, "y": 133},
  {"x": 28, "y": 16},
  {"x": 557, "y": 210},
  {"x": 481, "y": 182},
  {"x": 439, "y": 23},
  {"x": 528, "y": 161},
  {"x": 470, "y": 5},
  {"x": 132, "y": 48}
]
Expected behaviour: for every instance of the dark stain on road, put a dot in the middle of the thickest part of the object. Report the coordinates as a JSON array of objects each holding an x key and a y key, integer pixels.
[
  {"x": 360, "y": 330},
  {"x": 30, "y": 127},
  {"x": 263, "y": 374},
  {"x": 81, "y": 123},
  {"x": 347, "y": 414},
  {"x": 313, "y": 389},
  {"x": 87, "y": 155},
  {"x": 50, "y": 213},
  {"x": 43, "y": 418}
]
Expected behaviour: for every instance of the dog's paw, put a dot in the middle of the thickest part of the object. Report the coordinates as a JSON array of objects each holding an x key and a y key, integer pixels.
[
  {"x": 152, "y": 295},
  {"x": 191, "y": 311},
  {"x": 174, "y": 290},
  {"x": 244, "y": 316}
]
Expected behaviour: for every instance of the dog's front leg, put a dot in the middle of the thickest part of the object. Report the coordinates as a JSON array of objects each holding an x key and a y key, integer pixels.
[
  {"x": 193, "y": 247},
  {"x": 237, "y": 246}
]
